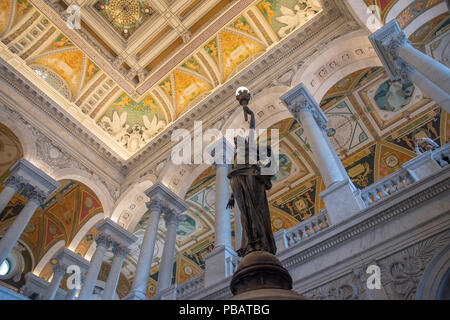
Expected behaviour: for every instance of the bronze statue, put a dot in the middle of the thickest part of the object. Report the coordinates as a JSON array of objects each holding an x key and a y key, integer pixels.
[{"x": 249, "y": 191}]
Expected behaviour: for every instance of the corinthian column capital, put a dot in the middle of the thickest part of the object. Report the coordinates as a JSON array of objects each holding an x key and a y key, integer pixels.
[
  {"x": 154, "y": 204},
  {"x": 172, "y": 217},
  {"x": 35, "y": 195},
  {"x": 395, "y": 42},
  {"x": 299, "y": 100},
  {"x": 120, "y": 250},
  {"x": 387, "y": 42},
  {"x": 103, "y": 241},
  {"x": 15, "y": 182}
]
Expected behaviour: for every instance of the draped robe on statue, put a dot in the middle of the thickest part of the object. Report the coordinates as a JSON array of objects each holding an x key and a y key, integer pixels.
[{"x": 249, "y": 191}]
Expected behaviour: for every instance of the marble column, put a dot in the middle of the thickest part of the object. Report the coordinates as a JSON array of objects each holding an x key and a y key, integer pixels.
[
  {"x": 341, "y": 198},
  {"x": 7, "y": 242},
  {"x": 103, "y": 243},
  {"x": 58, "y": 273},
  {"x": 38, "y": 186},
  {"x": 71, "y": 294},
  {"x": 139, "y": 287},
  {"x": 405, "y": 63},
  {"x": 120, "y": 253},
  {"x": 222, "y": 214},
  {"x": 11, "y": 186},
  {"x": 166, "y": 267}
]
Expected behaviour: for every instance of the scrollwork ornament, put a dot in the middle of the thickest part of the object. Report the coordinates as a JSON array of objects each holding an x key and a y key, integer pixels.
[
  {"x": 120, "y": 250},
  {"x": 171, "y": 217},
  {"x": 103, "y": 240},
  {"x": 403, "y": 69},
  {"x": 406, "y": 274},
  {"x": 154, "y": 205},
  {"x": 36, "y": 195},
  {"x": 394, "y": 43},
  {"x": 15, "y": 182}
]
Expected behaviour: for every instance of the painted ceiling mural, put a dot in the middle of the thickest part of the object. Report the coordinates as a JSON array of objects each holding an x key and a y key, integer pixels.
[
  {"x": 132, "y": 122},
  {"x": 195, "y": 237}
]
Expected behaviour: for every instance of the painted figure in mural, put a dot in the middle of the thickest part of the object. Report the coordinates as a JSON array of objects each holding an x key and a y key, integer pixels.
[
  {"x": 249, "y": 191},
  {"x": 427, "y": 144},
  {"x": 297, "y": 16},
  {"x": 393, "y": 95}
]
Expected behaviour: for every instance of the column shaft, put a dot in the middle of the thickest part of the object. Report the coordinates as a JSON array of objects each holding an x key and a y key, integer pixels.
[
  {"x": 5, "y": 196},
  {"x": 54, "y": 284},
  {"x": 146, "y": 253},
  {"x": 166, "y": 267},
  {"x": 92, "y": 274},
  {"x": 237, "y": 228},
  {"x": 222, "y": 214},
  {"x": 430, "y": 89},
  {"x": 113, "y": 277},
  {"x": 429, "y": 67},
  {"x": 322, "y": 153},
  {"x": 15, "y": 230}
]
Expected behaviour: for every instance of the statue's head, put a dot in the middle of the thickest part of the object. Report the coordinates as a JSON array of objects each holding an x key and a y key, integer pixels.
[{"x": 243, "y": 96}]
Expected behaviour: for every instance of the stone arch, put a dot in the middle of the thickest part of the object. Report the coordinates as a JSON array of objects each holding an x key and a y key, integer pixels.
[
  {"x": 131, "y": 205},
  {"x": 335, "y": 61},
  {"x": 48, "y": 256},
  {"x": 435, "y": 277},
  {"x": 266, "y": 105},
  {"x": 84, "y": 229},
  {"x": 22, "y": 133},
  {"x": 87, "y": 179}
]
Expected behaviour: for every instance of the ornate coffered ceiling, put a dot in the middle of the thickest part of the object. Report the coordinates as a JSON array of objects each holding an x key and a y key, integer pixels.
[{"x": 136, "y": 66}]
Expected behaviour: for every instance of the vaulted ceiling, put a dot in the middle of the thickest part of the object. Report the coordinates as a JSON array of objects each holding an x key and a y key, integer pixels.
[{"x": 135, "y": 66}]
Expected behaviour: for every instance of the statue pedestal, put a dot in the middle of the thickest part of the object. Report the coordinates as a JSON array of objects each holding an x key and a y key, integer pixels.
[{"x": 260, "y": 276}]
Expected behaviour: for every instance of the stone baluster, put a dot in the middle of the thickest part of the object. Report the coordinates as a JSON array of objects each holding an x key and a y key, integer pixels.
[
  {"x": 103, "y": 243},
  {"x": 405, "y": 63},
  {"x": 120, "y": 253}
]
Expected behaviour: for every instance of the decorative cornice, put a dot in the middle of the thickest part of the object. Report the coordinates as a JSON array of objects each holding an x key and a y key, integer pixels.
[{"x": 38, "y": 98}]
